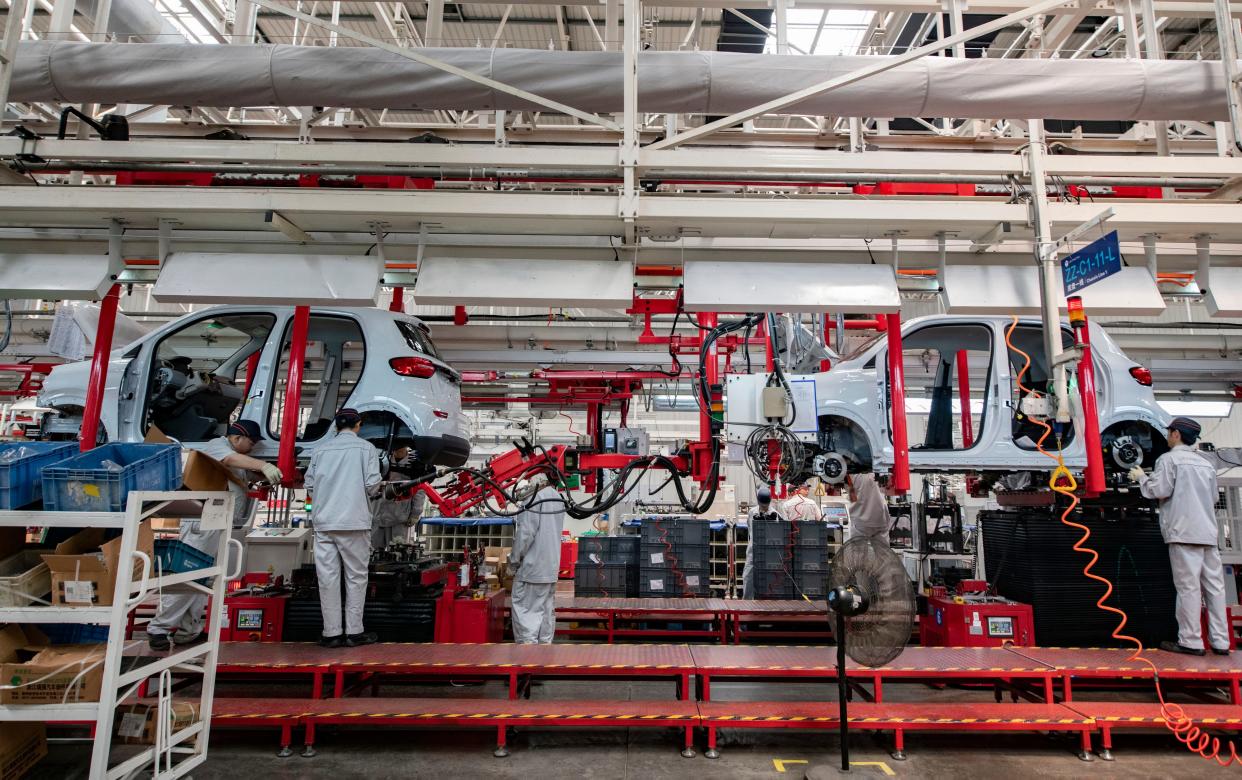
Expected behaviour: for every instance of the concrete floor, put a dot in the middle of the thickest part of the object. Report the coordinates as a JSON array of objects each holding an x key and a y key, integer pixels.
[{"x": 377, "y": 753}]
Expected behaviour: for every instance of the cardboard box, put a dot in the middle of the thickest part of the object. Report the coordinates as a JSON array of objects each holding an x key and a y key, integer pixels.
[
  {"x": 203, "y": 472},
  {"x": 84, "y": 567},
  {"x": 65, "y": 673},
  {"x": 22, "y": 745},
  {"x": 135, "y": 723}
]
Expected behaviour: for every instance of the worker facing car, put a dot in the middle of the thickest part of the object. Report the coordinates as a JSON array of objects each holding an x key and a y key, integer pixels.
[
  {"x": 762, "y": 510},
  {"x": 392, "y": 517},
  {"x": 868, "y": 510},
  {"x": 343, "y": 473},
  {"x": 799, "y": 506},
  {"x": 184, "y": 612},
  {"x": 536, "y": 560},
  {"x": 1184, "y": 483}
]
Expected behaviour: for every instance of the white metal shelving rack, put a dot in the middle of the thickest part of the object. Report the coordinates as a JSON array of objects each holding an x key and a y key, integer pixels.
[
  {"x": 177, "y": 758},
  {"x": 451, "y": 538}
]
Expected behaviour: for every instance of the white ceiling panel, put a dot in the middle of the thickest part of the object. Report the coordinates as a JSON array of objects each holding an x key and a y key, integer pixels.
[
  {"x": 714, "y": 285},
  {"x": 451, "y": 281}
]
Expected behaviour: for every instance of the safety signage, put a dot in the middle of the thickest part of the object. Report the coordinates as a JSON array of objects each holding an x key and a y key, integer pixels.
[{"x": 1098, "y": 260}]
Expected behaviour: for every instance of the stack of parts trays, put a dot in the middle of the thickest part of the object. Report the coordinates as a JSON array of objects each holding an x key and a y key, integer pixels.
[
  {"x": 1029, "y": 558},
  {"x": 395, "y": 617},
  {"x": 673, "y": 558},
  {"x": 607, "y": 567},
  {"x": 790, "y": 559}
]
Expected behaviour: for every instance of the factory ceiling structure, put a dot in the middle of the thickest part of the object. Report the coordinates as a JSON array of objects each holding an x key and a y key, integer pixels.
[{"x": 945, "y": 143}]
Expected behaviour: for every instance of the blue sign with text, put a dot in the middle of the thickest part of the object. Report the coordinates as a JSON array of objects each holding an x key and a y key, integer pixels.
[{"x": 1098, "y": 260}]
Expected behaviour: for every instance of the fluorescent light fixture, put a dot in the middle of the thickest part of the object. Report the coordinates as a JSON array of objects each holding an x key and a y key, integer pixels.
[{"x": 1197, "y": 408}]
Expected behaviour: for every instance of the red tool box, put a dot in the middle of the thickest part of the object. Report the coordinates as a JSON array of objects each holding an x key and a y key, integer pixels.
[{"x": 976, "y": 621}]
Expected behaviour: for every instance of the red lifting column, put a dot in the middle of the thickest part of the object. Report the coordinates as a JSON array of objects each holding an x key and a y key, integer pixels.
[
  {"x": 398, "y": 300},
  {"x": 99, "y": 369},
  {"x": 963, "y": 398},
  {"x": 1094, "y": 476},
  {"x": 287, "y": 459},
  {"x": 897, "y": 397}
]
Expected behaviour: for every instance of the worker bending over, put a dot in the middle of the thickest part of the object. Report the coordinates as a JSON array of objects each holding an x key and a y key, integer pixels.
[
  {"x": 762, "y": 510},
  {"x": 536, "y": 555},
  {"x": 343, "y": 472},
  {"x": 868, "y": 510},
  {"x": 184, "y": 612},
  {"x": 1185, "y": 484},
  {"x": 799, "y": 506},
  {"x": 393, "y": 517}
]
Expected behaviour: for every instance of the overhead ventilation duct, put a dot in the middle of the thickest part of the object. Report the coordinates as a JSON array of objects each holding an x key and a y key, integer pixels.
[{"x": 711, "y": 83}]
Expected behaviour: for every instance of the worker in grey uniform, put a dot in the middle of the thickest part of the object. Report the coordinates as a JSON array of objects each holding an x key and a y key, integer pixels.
[
  {"x": 868, "y": 510},
  {"x": 183, "y": 612},
  {"x": 536, "y": 555},
  {"x": 1184, "y": 482},
  {"x": 391, "y": 519},
  {"x": 762, "y": 510},
  {"x": 800, "y": 506},
  {"x": 344, "y": 473}
]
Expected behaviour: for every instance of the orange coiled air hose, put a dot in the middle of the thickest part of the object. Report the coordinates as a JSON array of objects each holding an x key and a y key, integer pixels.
[{"x": 1063, "y": 482}]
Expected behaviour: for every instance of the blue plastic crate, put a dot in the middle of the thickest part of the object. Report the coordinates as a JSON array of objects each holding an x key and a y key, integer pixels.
[
  {"x": 73, "y": 633},
  {"x": 21, "y": 480},
  {"x": 177, "y": 557},
  {"x": 83, "y": 484}
]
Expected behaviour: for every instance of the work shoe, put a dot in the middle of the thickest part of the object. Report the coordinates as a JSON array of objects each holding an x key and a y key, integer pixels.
[
  {"x": 158, "y": 641},
  {"x": 1174, "y": 647},
  {"x": 365, "y": 638},
  {"x": 1219, "y": 651},
  {"x": 332, "y": 642},
  {"x": 181, "y": 638}
]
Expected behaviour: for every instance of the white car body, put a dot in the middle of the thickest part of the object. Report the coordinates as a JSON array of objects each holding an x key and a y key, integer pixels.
[
  {"x": 852, "y": 396},
  {"x": 429, "y": 407}
]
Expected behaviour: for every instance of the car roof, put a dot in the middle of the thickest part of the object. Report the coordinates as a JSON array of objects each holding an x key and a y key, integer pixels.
[{"x": 365, "y": 313}]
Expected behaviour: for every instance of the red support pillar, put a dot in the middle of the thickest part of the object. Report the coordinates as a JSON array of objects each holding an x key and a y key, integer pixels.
[
  {"x": 99, "y": 369},
  {"x": 826, "y": 364},
  {"x": 897, "y": 397},
  {"x": 252, "y": 365},
  {"x": 963, "y": 398},
  {"x": 594, "y": 420},
  {"x": 1094, "y": 475},
  {"x": 398, "y": 300},
  {"x": 287, "y": 459},
  {"x": 711, "y": 376},
  {"x": 769, "y": 346}
]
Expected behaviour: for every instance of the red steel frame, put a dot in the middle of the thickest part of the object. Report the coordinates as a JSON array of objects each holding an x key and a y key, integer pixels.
[
  {"x": 99, "y": 369},
  {"x": 1094, "y": 474},
  {"x": 897, "y": 401},
  {"x": 32, "y": 379},
  {"x": 963, "y": 398},
  {"x": 287, "y": 458}
]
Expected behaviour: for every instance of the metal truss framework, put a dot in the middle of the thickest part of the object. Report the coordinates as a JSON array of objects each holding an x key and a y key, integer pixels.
[{"x": 651, "y": 179}]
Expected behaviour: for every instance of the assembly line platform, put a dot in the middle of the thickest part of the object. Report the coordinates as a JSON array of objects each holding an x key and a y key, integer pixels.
[{"x": 1040, "y": 682}]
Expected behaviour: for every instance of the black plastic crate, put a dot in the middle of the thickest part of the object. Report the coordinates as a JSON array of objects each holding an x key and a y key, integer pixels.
[
  {"x": 676, "y": 531},
  {"x": 606, "y": 580},
  {"x": 659, "y": 555},
  {"x": 608, "y": 549},
  {"x": 780, "y": 533},
  {"x": 670, "y": 582}
]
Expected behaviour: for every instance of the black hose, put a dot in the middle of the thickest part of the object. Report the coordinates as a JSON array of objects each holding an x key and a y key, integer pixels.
[{"x": 8, "y": 325}]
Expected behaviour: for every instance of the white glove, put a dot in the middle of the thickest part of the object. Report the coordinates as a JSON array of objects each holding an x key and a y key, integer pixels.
[
  {"x": 1137, "y": 473},
  {"x": 272, "y": 474}
]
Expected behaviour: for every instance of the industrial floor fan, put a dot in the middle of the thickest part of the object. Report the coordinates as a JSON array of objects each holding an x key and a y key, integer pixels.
[{"x": 873, "y": 599}]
